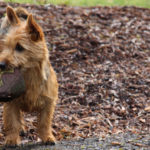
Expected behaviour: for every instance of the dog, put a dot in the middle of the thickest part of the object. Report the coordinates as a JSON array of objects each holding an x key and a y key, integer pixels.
[{"x": 24, "y": 47}]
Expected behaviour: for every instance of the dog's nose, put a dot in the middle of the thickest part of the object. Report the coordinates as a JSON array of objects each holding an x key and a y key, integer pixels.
[{"x": 2, "y": 65}]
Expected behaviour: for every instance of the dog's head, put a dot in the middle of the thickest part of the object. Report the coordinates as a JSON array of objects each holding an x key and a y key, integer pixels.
[{"x": 24, "y": 44}]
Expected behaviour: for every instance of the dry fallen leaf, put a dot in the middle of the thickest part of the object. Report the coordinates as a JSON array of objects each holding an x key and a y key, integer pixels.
[
  {"x": 142, "y": 120},
  {"x": 115, "y": 143},
  {"x": 147, "y": 109}
]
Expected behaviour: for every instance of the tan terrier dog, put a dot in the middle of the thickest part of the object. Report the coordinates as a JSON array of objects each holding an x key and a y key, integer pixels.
[{"x": 24, "y": 47}]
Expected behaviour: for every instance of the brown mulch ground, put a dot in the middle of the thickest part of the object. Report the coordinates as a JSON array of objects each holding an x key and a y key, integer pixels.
[{"x": 102, "y": 59}]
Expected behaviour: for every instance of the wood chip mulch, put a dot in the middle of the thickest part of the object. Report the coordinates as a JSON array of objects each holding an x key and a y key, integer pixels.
[{"x": 102, "y": 59}]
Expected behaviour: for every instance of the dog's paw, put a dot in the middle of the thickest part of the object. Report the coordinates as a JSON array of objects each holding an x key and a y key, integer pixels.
[
  {"x": 50, "y": 141},
  {"x": 12, "y": 141}
]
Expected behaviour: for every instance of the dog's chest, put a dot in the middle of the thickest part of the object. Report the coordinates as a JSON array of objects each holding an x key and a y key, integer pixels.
[{"x": 34, "y": 85}]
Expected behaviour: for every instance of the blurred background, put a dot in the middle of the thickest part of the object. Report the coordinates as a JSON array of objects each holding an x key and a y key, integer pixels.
[{"x": 139, "y": 3}]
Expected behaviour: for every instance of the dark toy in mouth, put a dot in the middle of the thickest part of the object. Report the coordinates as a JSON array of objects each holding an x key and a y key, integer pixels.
[{"x": 12, "y": 84}]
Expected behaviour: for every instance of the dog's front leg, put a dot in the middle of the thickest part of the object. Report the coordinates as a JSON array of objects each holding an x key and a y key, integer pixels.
[
  {"x": 12, "y": 123},
  {"x": 45, "y": 120}
]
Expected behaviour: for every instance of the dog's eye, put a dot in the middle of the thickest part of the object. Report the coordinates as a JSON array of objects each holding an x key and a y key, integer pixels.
[
  {"x": 19, "y": 48},
  {"x": 24, "y": 16}
]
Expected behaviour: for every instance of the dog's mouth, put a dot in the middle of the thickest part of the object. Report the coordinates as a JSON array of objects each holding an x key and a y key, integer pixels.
[{"x": 8, "y": 68}]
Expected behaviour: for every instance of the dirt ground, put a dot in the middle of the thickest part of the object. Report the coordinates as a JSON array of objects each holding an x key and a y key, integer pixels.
[{"x": 102, "y": 59}]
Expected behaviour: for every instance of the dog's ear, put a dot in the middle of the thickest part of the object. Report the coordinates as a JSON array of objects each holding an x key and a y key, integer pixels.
[
  {"x": 11, "y": 15},
  {"x": 34, "y": 29}
]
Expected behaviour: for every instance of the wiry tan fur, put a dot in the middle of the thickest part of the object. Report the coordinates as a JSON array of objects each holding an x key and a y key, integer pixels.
[{"x": 41, "y": 84}]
